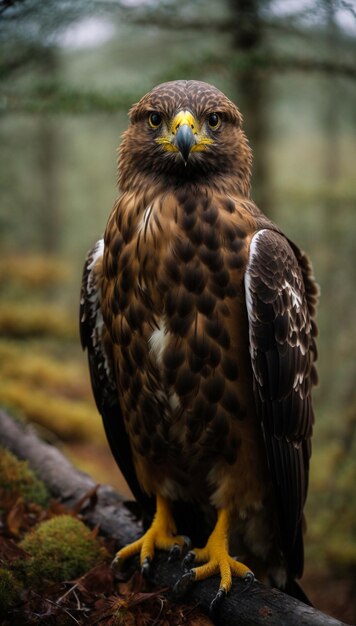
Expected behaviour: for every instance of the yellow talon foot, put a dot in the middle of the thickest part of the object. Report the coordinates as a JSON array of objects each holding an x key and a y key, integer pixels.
[
  {"x": 161, "y": 535},
  {"x": 216, "y": 560},
  {"x": 219, "y": 562}
]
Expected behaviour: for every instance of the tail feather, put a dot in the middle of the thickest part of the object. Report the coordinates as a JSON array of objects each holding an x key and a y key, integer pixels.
[{"x": 294, "y": 589}]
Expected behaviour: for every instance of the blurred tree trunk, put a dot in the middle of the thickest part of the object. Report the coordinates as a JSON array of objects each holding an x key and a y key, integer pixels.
[
  {"x": 49, "y": 212},
  {"x": 252, "y": 90},
  {"x": 332, "y": 102},
  {"x": 330, "y": 162}
]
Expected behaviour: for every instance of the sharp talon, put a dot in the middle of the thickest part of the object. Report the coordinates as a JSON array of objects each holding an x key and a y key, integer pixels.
[
  {"x": 216, "y": 603},
  {"x": 248, "y": 579},
  {"x": 188, "y": 561},
  {"x": 146, "y": 568},
  {"x": 117, "y": 564},
  {"x": 183, "y": 585},
  {"x": 187, "y": 544},
  {"x": 174, "y": 553}
]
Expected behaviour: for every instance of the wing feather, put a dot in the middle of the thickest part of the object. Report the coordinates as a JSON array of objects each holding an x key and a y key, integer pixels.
[
  {"x": 96, "y": 341},
  {"x": 281, "y": 299}
]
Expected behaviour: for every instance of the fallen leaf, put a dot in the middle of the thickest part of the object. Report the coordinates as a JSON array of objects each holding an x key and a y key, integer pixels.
[
  {"x": 57, "y": 508},
  {"x": 100, "y": 579},
  {"x": 90, "y": 495},
  {"x": 10, "y": 551},
  {"x": 94, "y": 532},
  {"x": 15, "y": 518}
]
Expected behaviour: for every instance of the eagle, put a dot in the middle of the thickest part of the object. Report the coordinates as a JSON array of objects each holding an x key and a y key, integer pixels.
[{"x": 197, "y": 314}]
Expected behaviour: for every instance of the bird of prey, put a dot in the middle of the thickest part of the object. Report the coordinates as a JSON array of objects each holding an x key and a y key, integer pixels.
[{"x": 197, "y": 314}]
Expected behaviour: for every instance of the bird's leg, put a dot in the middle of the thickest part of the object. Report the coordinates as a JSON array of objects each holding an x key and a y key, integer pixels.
[
  {"x": 216, "y": 559},
  {"x": 160, "y": 535}
]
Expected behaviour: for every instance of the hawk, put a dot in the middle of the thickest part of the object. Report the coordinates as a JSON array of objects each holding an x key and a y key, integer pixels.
[{"x": 197, "y": 314}]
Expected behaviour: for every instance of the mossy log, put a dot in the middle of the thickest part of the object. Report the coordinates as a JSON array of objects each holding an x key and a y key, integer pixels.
[{"x": 252, "y": 606}]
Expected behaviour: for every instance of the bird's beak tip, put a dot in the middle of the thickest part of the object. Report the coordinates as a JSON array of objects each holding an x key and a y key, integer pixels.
[{"x": 184, "y": 141}]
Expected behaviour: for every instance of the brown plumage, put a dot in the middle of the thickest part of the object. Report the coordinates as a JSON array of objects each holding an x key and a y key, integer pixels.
[{"x": 197, "y": 314}]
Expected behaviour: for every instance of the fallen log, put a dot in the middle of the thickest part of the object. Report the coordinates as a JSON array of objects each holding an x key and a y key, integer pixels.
[{"x": 254, "y": 605}]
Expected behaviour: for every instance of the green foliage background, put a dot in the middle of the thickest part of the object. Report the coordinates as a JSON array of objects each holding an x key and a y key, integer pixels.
[{"x": 62, "y": 111}]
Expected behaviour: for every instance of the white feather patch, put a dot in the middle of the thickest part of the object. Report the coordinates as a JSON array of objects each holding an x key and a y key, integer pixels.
[
  {"x": 145, "y": 219},
  {"x": 93, "y": 293},
  {"x": 93, "y": 299},
  {"x": 174, "y": 401},
  {"x": 253, "y": 251},
  {"x": 294, "y": 295},
  {"x": 158, "y": 341},
  {"x": 250, "y": 311},
  {"x": 98, "y": 252}
]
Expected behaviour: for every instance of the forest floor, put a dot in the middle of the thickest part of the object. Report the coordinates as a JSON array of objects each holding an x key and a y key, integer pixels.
[{"x": 56, "y": 571}]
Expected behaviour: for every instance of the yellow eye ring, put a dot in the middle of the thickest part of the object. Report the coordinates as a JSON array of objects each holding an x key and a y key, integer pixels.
[
  {"x": 155, "y": 119},
  {"x": 214, "y": 120}
]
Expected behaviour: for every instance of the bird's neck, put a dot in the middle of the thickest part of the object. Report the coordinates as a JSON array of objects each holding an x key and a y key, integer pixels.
[{"x": 143, "y": 183}]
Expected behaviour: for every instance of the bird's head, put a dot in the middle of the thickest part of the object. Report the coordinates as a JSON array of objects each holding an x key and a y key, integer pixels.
[{"x": 185, "y": 132}]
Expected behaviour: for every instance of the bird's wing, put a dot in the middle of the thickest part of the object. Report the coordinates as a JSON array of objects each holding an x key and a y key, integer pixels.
[
  {"x": 96, "y": 341},
  {"x": 280, "y": 299}
]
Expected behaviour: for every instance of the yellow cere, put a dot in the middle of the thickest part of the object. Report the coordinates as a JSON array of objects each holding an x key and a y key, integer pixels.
[{"x": 185, "y": 117}]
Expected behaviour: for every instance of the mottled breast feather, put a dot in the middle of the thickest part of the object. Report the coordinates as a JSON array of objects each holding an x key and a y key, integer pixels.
[{"x": 173, "y": 303}]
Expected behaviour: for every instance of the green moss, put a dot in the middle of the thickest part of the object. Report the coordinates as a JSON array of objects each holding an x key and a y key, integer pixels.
[
  {"x": 20, "y": 320},
  {"x": 33, "y": 271},
  {"x": 61, "y": 548},
  {"x": 70, "y": 419},
  {"x": 16, "y": 476},
  {"x": 9, "y": 590},
  {"x": 34, "y": 383}
]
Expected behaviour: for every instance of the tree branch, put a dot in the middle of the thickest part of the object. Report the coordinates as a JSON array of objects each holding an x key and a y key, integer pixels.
[
  {"x": 324, "y": 66},
  {"x": 244, "y": 606},
  {"x": 50, "y": 97}
]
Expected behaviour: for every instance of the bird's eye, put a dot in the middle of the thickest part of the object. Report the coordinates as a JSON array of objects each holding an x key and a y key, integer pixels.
[
  {"x": 155, "y": 119},
  {"x": 214, "y": 120}
]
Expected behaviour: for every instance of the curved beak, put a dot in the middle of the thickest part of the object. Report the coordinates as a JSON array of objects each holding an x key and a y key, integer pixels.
[{"x": 185, "y": 140}]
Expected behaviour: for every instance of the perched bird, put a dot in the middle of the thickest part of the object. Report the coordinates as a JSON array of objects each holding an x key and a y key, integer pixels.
[{"x": 197, "y": 315}]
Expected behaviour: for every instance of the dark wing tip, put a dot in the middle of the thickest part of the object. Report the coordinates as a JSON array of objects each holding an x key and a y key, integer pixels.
[
  {"x": 281, "y": 298},
  {"x": 101, "y": 368}
]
